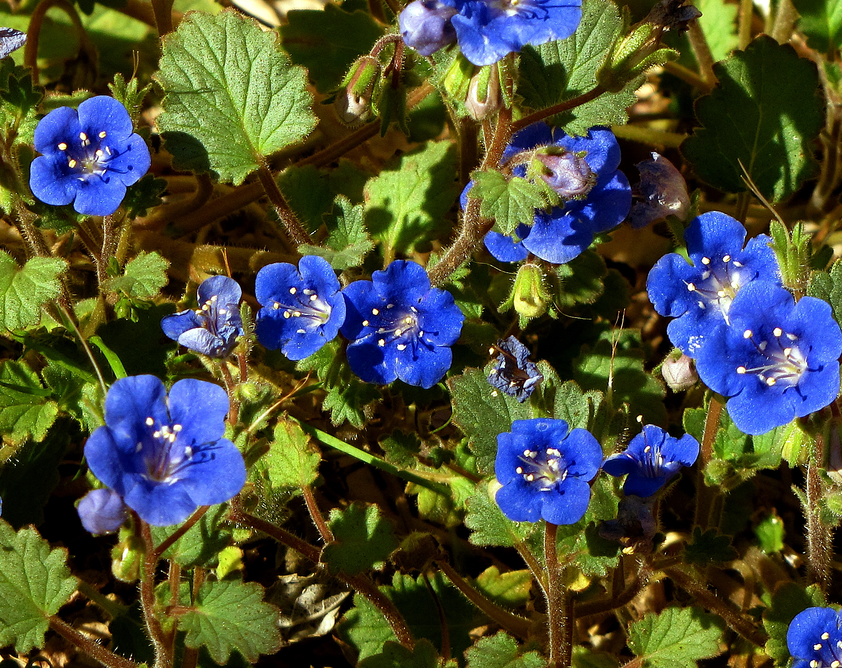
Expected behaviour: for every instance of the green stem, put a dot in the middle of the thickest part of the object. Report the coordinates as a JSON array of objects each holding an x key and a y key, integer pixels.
[
  {"x": 112, "y": 608},
  {"x": 572, "y": 103},
  {"x": 559, "y": 608},
  {"x": 649, "y": 136},
  {"x": 33, "y": 33},
  {"x": 744, "y": 32},
  {"x": 316, "y": 514},
  {"x": 819, "y": 535},
  {"x": 704, "y": 494},
  {"x": 90, "y": 647},
  {"x": 701, "y": 49},
  {"x": 784, "y": 21}
]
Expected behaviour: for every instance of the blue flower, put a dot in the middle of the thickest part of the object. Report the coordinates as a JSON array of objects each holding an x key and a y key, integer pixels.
[
  {"x": 814, "y": 638},
  {"x": 400, "y": 327},
  {"x": 699, "y": 295},
  {"x": 651, "y": 459},
  {"x": 544, "y": 470},
  {"x": 303, "y": 308},
  {"x": 778, "y": 360},
  {"x": 598, "y": 204},
  {"x": 513, "y": 373},
  {"x": 488, "y": 30},
  {"x": 165, "y": 456},
  {"x": 89, "y": 156},
  {"x": 213, "y": 328},
  {"x": 102, "y": 511}
]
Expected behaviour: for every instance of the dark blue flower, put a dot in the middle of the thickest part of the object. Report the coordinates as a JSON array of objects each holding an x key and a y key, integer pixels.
[
  {"x": 487, "y": 30},
  {"x": 652, "y": 458},
  {"x": 814, "y": 638},
  {"x": 565, "y": 231},
  {"x": 544, "y": 470},
  {"x": 212, "y": 329},
  {"x": 102, "y": 511},
  {"x": 662, "y": 192},
  {"x": 400, "y": 327},
  {"x": 89, "y": 156},
  {"x": 699, "y": 294},
  {"x": 778, "y": 360},
  {"x": 514, "y": 374},
  {"x": 165, "y": 455},
  {"x": 303, "y": 308}
]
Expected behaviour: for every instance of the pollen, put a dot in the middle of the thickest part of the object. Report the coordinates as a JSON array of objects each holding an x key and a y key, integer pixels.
[
  {"x": 691, "y": 287},
  {"x": 292, "y": 291},
  {"x": 825, "y": 635},
  {"x": 375, "y": 311},
  {"x": 401, "y": 346},
  {"x": 365, "y": 323},
  {"x": 741, "y": 370},
  {"x": 313, "y": 297},
  {"x": 705, "y": 260},
  {"x": 408, "y": 320},
  {"x": 83, "y": 136},
  {"x": 726, "y": 258},
  {"x": 276, "y": 305},
  {"x": 771, "y": 381},
  {"x": 381, "y": 343},
  {"x": 817, "y": 646}
]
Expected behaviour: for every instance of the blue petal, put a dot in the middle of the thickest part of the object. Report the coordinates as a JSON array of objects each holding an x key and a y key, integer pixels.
[
  {"x": 50, "y": 182},
  {"x": 159, "y": 504},
  {"x": 216, "y": 480},
  {"x": 439, "y": 318},
  {"x": 227, "y": 290},
  {"x": 132, "y": 162},
  {"x": 504, "y": 248},
  {"x": 602, "y": 152},
  {"x": 318, "y": 275},
  {"x": 56, "y": 127},
  {"x": 273, "y": 282},
  {"x": 101, "y": 511},
  {"x": 638, "y": 484},
  {"x": 519, "y": 502},
  {"x": 202, "y": 341},
  {"x": 568, "y": 503},
  {"x": 176, "y": 324},
  {"x": 97, "y": 198},
  {"x": 402, "y": 282},
  {"x": 714, "y": 234},
  {"x": 368, "y": 363},
  {"x": 200, "y": 408},
  {"x": 104, "y": 113},
  {"x": 581, "y": 446},
  {"x": 807, "y": 628},
  {"x": 620, "y": 464},
  {"x": 423, "y": 368},
  {"x": 537, "y": 134},
  {"x": 130, "y": 401}
]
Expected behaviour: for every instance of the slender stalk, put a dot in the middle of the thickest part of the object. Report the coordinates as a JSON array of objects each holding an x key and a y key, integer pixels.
[
  {"x": 514, "y": 624},
  {"x": 33, "y": 34},
  {"x": 609, "y": 603},
  {"x": 733, "y": 617},
  {"x": 784, "y": 21},
  {"x": 572, "y": 103},
  {"x": 90, "y": 647},
  {"x": 296, "y": 232},
  {"x": 467, "y": 129},
  {"x": 163, "y": 656},
  {"x": 174, "y": 581},
  {"x": 109, "y": 248},
  {"x": 746, "y": 11},
  {"x": 819, "y": 535},
  {"x": 178, "y": 533},
  {"x": 649, "y": 136},
  {"x": 70, "y": 320},
  {"x": 704, "y": 494},
  {"x": 687, "y": 75},
  {"x": 189, "y": 655},
  {"x": 559, "y": 608},
  {"x": 316, "y": 514},
  {"x": 701, "y": 50},
  {"x": 162, "y": 10}
]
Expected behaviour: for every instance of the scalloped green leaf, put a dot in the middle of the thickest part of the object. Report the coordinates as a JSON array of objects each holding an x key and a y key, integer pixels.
[
  {"x": 232, "y": 615},
  {"x": 501, "y": 651},
  {"x": 821, "y": 22},
  {"x": 231, "y": 97},
  {"x": 24, "y": 290},
  {"x": 510, "y": 202},
  {"x": 363, "y": 539},
  {"x": 27, "y": 409},
  {"x": 291, "y": 461},
  {"x": 34, "y": 583},
  {"x": 676, "y": 637},
  {"x": 143, "y": 277}
]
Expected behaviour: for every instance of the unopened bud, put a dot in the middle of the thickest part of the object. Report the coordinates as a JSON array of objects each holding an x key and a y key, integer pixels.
[
  {"x": 353, "y": 104},
  {"x": 678, "y": 372},
  {"x": 426, "y": 27},
  {"x": 484, "y": 97},
  {"x": 530, "y": 297},
  {"x": 662, "y": 192},
  {"x": 127, "y": 556},
  {"x": 566, "y": 173}
]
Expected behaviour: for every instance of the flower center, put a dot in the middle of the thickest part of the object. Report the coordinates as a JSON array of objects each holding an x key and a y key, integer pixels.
[
  {"x": 719, "y": 284},
  {"x": 785, "y": 362},
  {"x": 543, "y": 469},
  {"x": 165, "y": 455},
  {"x": 209, "y": 315},
  {"x": 396, "y": 326},
  {"x": 89, "y": 158},
  {"x": 528, "y": 9},
  {"x": 830, "y": 654},
  {"x": 306, "y": 305}
]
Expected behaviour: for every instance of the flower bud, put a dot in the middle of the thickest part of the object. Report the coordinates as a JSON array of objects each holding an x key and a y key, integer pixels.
[
  {"x": 353, "y": 104},
  {"x": 567, "y": 173},
  {"x": 102, "y": 511},
  {"x": 457, "y": 79},
  {"x": 530, "y": 297},
  {"x": 127, "y": 556},
  {"x": 662, "y": 192},
  {"x": 425, "y": 26},
  {"x": 484, "y": 97},
  {"x": 678, "y": 372}
]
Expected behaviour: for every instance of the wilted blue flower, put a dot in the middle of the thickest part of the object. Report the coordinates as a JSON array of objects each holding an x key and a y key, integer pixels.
[
  {"x": 303, "y": 307},
  {"x": 651, "y": 459},
  {"x": 488, "y": 30},
  {"x": 102, "y": 511},
  {"x": 565, "y": 231},
  {"x": 699, "y": 295},
  {"x": 212, "y": 329},
  {"x": 814, "y": 638},
  {"x": 662, "y": 192},
  {"x": 400, "y": 327},
  {"x": 635, "y": 526},
  {"x": 778, "y": 360},
  {"x": 165, "y": 455},
  {"x": 514, "y": 374},
  {"x": 89, "y": 156},
  {"x": 10, "y": 40},
  {"x": 545, "y": 469}
]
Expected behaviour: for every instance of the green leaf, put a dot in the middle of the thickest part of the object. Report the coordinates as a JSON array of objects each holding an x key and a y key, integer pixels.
[
  {"x": 406, "y": 203},
  {"x": 291, "y": 461},
  {"x": 307, "y": 191},
  {"x": 489, "y": 525},
  {"x": 821, "y": 22},
  {"x": 202, "y": 543},
  {"x": 230, "y": 96},
  {"x": 582, "y": 280},
  {"x": 827, "y": 285},
  {"x": 232, "y": 615},
  {"x": 719, "y": 24},
  {"x": 559, "y": 71},
  {"x": 482, "y": 413},
  {"x": 510, "y": 588},
  {"x": 445, "y": 509},
  {"x": 501, "y": 651},
  {"x": 363, "y": 539},
  {"x": 770, "y": 533},
  {"x": 709, "y": 547},
  {"x": 23, "y": 291},
  {"x": 27, "y": 409},
  {"x": 328, "y": 41},
  {"x": 34, "y": 583},
  {"x": 750, "y": 119},
  {"x": 510, "y": 201},
  {"x": 347, "y": 241},
  {"x": 143, "y": 277},
  {"x": 676, "y": 638},
  {"x": 788, "y": 600},
  {"x": 144, "y": 195},
  {"x": 395, "y": 655}
]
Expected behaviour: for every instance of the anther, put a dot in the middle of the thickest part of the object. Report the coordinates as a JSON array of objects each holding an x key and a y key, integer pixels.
[
  {"x": 519, "y": 470},
  {"x": 287, "y": 314},
  {"x": 390, "y": 306},
  {"x": 691, "y": 287},
  {"x": 156, "y": 434},
  {"x": 149, "y": 421},
  {"x": 365, "y": 323},
  {"x": 276, "y": 306},
  {"x": 98, "y": 153},
  {"x": 825, "y": 635},
  {"x": 177, "y": 428},
  {"x": 777, "y": 331},
  {"x": 408, "y": 320},
  {"x": 300, "y": 331},
  {"x": 297, "y": 314},
  {"x": 401, "y": 346},
  {"x": 705, "y": 260},
  {"x": 529, "y": 477},
  {"x": 188, "y": 452},
  {"x": 817, "y": 646},
  {"x": 748, "y": 334},
  {"x": 771, "y": 381},
  {"x": 62, "y": 146},
  {"x": 313, "y": 297},
  {"x": 102, "y": 135},
  {"x": 726, "y": 258},
  {"x": 292, "y": 291},
  {"x": 381, "y": 343},
  {"x": 71, "y": 163},
  {"x": 83, "y": 136},
  {"x": 741, "y": 370},
  {"x": 398, "y": 332},
  {"x": 375, "y": 311}
]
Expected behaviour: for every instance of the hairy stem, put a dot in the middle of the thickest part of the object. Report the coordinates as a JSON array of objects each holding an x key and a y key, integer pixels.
[
  {"x": 572, "y": 103},
  {"x": 178, "y": 533},
  {"x": 784, "y": 21},
  {"x": 559, "y": 608},
  {"x": 162, "y": 10},
  {"x": 819, "y": 535},
  {"x": 316, "y": 514},
  {"x": 296, "y": 232},
  {"x": 90, "y": 647},
  {"x": 746, "y": 12},
  {"x": 33, "y": 33},
  {"x": 704, "y": 494},
  {"x": 703, "y": 55},
  {"x": 163, "y": 649}
]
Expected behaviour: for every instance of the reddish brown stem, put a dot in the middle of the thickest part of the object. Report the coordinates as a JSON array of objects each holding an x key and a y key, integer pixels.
[
  {"x": 572, "y": 103},
  {"x": 90, "y": 647},
  {"x": 178, "y": 533}
]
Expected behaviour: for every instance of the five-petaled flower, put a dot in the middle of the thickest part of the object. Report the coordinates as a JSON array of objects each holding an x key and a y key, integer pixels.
[
  {"x": 699, "y": 295},
  {"x": 814, "y": 638},
  {"x": 601, "y": 202},
  {"x": 303, "y": 307},
  {"x": 165, "y": 455},
  {"x": 487, "y": 30},
  {"x": 89, "y": 156},
  {"x": 778, "y": 360},
  {"x": 651, "y": 459},
  {"x": 212, "y": 329},
  {"x": 400, "y": 327},
  {"x": 513, "y": 373},
  {"x": 544, "y": 469}
]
